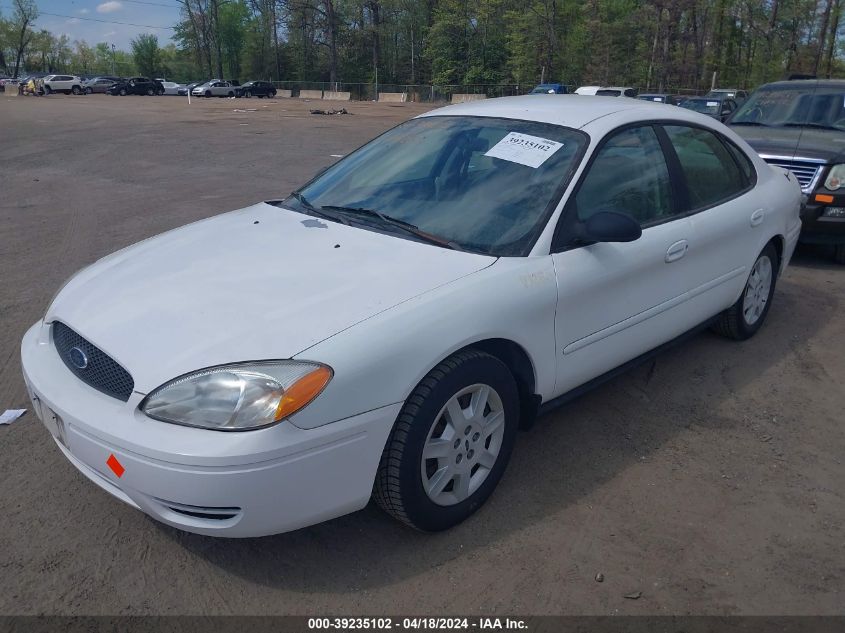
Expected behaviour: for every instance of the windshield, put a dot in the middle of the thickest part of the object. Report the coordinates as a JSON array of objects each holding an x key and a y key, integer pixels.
[
  {"x": 483, "y": 184},
  {"x": 706, "y": 106},
  {"x": 609, "y": 93},
  {"x": 543, "y": 89},
  {"x": 795, "y": 106}
]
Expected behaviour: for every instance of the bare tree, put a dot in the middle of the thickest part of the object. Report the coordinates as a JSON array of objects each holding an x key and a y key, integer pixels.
[{"x": 25, "y": 12}]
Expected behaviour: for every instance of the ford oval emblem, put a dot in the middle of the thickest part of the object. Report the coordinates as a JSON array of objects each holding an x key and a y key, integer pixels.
[{"x": 78, "y": 358}]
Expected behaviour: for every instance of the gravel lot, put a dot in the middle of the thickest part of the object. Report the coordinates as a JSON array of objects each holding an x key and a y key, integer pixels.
[{"x": 710, "y": 480}]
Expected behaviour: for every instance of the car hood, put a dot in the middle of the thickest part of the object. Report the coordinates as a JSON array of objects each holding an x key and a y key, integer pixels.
[
  {"x": 260, "y": 283},
  {"x": 794, "y": 142}
]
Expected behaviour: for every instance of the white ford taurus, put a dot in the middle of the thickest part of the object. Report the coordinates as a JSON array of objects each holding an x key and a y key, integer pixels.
[{"x": 385, "y": 330}]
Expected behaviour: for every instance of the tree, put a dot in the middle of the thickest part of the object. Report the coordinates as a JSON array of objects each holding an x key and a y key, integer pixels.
[
  {"x": 25, "y": 12},
  {"x": 146, "y": 54}
]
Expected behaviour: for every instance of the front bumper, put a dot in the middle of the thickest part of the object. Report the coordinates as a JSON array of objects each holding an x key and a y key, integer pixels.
[
  {"x": 818, "y": 229},
  {"x": 241, "y": 484}
]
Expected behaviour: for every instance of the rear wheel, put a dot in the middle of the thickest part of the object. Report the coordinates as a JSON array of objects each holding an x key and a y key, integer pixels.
[
  {"x": 208, "y": 93},
  {"x": 76, "y": 90},
  {"x": 123, "y": 92},
  {"x": 89, "y": 91},
  {"x": 150, "y": 92},
  {"x": 248, "y": 94},
  {"x": 450, "y": 444},
  {"x": 231, "y": 94},
  {"x": 746, "y": 316},
  {"x": 839, "y": 253},
  {"x": 272, "y": 94},
  {"x": 47, "y": 90}
]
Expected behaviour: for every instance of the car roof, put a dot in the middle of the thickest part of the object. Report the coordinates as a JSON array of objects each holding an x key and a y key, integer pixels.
[
  {"x": 808, "y": 83},
  {"x": 572, "y": 111}
]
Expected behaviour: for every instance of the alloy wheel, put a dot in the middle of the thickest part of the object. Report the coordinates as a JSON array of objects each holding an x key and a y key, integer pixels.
[
  {"x": 463, "y": 444},
  {"x": 757, "y": 290}
]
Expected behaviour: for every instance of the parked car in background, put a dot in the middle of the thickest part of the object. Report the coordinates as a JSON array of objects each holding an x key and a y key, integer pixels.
[
  {"x": 658, "y": 98},
  {"x": 184, "y": 90},
  {"x": 587, "y": 90},
  {"x": 100, "y": 84},
  {"x": 739, "y": 96},
  {"x": 551, "y": 89},
  {"x": 170, "y": 87},
  {"x": 136, "y": 86},
  {"x": 800, "y": 126},
  {"x": 258, "y": 89},
  {"x": 310, "y": 390},
  {"x": 616, "y": 91},
  {"x": 217, "y": 88},
  {"x": 68, "y": 84},
  {"x": 720, "y": 108}
]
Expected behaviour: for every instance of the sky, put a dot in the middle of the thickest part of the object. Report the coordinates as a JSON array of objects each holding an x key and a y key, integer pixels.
[{"x": 78, "y": 21}]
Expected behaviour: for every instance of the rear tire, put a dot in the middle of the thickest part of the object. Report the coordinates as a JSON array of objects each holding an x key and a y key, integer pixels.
[
  {"x": 839, "y": 254},
  {"x": 450, "y": 444},
  {"x": 742, "y": 320},
  {"x": 248, "y": 94},
  {"x": 89, "y": 91},
  {"x": 76, "y": 90},
  {"x": 208, "y": 94},
  {"x": 122, "y": 92}
]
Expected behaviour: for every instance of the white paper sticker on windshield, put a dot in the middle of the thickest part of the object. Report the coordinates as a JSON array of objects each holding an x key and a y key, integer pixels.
[
  {"x": 658, "y": 99},
  {"x": 524, "y": 149},
  {"x": 710, "y": 104}
]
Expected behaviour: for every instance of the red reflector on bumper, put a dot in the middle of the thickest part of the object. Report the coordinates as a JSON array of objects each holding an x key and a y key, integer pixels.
[{"x": 116, "y": 467}]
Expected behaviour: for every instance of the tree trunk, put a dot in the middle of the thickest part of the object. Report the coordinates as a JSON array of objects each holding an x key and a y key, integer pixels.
[
  {"x": 822, "y": 36},
  {"x": 331, "y": 31},
  {"x": 215, "y": 20},
  {"x": 834, "y": 29}
]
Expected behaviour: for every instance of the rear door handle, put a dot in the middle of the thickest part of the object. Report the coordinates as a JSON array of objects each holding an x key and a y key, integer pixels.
[
  {"x": 757, "y": 217},
  {"x": 676, "y": 251}
]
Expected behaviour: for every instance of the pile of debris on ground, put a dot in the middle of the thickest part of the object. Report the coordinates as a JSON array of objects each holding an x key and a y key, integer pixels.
[{"x": 341, "y": 111}]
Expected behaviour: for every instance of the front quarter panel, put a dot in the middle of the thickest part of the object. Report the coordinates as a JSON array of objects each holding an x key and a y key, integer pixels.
[{"x": 381, "y": 360}]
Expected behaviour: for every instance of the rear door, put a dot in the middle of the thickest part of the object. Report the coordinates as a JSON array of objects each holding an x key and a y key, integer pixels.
[
  {"x": 619, "y": 300},
  {"x": 723, "y": 209}
]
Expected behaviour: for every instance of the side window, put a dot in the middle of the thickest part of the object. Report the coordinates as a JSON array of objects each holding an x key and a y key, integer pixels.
[
  {"x": 745, "y": 164},
  {"x": 711, "y": 173},
  {"x": 628, "y": 175}
]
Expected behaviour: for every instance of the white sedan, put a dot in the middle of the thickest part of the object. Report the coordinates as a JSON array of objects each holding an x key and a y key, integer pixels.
[
  {"x": 171, "y": 87},
  {"x": 385, "y": 330}
]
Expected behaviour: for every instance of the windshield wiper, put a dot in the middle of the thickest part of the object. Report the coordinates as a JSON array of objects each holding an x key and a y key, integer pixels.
[
  {"x": 318, "y": 212},
  {"x": 401, "y": 224},
  {"x": 821, "y": 126}
]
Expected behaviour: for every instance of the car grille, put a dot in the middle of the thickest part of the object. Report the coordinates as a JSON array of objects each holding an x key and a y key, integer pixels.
[
  {"x": 805, "y": 171},
  {"x": 101, "y": 371}
]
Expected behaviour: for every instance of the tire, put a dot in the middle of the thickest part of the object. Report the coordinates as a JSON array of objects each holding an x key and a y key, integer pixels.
[
  {"x": 150, "y": 92},
  {"x": 47, "y": 90},
  {"x": 160, "y": 92},
  {"x": 208, "y": 94},
  {"x": 407, "y": 485},
  {"x": 839, "y": 254},
  {"x": 89, "y": 91},
  {"x": 272, "y": 95},
  {"x": 76, "y": 90},
  {"x": 122, "y": 92},
  {"x": 742, "y": 320},
  {"x": 248, "y": 94}
]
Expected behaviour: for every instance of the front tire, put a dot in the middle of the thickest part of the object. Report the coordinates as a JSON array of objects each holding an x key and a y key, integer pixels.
[
  {"x": 742, "y": 320},
  {"x": 207, "y": 94},
  {"x": 248, "y": 94},
  {"x": 76, "y": 90},
  {"x": 450, "y": 444}
]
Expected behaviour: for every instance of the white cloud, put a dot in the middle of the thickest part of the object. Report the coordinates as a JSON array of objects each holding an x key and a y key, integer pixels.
[
  {"x": 109, "y": 7},
  {"x": 72, "y": 21},
  {"x": 84, "y": 11}
]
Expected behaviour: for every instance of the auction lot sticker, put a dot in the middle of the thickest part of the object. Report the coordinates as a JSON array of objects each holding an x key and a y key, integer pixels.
[{"x": 524, "y": 149}]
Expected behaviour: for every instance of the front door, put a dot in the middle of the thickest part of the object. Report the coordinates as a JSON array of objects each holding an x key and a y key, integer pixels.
[{"x": 619, "y": 300}]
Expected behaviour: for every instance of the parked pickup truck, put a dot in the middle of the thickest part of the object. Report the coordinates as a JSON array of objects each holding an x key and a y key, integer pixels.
[{"x": 800, "y": 125}]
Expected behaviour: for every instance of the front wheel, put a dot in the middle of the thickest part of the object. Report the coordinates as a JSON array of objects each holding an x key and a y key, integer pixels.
[
  {"x": 742, "y": 320},
  {"x": 76, "y": 90},
  {"x": 89, "y": 91},
  {"x": 248, "y": 94},
  {"x": 207, "y": 94},
  {"x": 450, "y": 444},
  {"x": 123, "y": 92},
  {"x": 47, "y": 90}
]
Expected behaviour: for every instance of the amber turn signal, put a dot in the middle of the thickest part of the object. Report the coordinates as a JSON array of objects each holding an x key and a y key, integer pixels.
[
  {"x": 820, "y": 197},
  {"x": 302, "y": 392}
]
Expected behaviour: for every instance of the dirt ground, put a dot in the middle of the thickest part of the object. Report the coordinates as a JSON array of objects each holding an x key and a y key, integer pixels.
[{"x": 710, "y": 480}]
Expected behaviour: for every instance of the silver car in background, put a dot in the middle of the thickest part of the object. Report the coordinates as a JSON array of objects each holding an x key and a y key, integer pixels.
[{"x": 217, "y": 88}]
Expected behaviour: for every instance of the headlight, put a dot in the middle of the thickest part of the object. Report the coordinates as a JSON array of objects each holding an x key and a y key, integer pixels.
[
  {"x": 836, "y": 177},
  {"x": 238, "y": 397}
]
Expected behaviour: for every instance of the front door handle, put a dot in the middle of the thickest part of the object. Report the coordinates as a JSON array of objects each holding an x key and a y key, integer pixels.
[
  {"x": 676, "y": 251},
  {"x": 757, "y": 217}
]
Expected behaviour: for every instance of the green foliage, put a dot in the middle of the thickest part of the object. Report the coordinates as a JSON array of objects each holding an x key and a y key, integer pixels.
[{"x": 146, "y": 54}]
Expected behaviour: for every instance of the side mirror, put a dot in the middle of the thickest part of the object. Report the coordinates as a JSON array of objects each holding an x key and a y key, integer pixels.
[{"x": 610, "y": 226}]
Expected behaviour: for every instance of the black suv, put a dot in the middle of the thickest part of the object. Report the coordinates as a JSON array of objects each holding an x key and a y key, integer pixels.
[
  {"x": 136, "y": 86},
  {"x": 800, "y": 125},
  {"x": 258, "y": 89}
]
